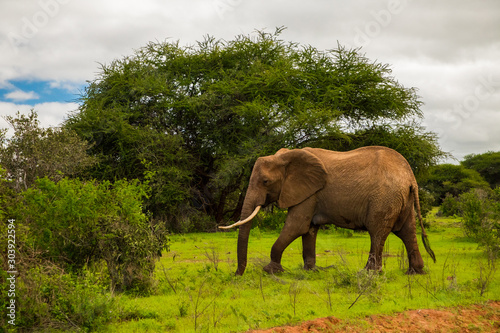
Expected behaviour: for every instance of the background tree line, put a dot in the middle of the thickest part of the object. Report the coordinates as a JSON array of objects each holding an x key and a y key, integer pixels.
[
  {"x": 476, "y": 171},
  {"x": 471, "y": 191}
]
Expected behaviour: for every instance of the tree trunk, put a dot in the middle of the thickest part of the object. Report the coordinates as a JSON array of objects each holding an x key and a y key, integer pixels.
[{"x": 239, "y": 206}]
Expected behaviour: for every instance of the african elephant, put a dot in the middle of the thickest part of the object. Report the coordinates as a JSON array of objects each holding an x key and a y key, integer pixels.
[{"x": 371, "y": 188}]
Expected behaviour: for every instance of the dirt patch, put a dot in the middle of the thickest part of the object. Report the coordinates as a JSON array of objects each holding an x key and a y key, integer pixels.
[{"x": 474, "y": 318}]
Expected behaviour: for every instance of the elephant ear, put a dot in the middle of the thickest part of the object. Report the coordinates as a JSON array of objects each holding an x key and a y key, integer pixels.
[{"x": 305, "y": 175}]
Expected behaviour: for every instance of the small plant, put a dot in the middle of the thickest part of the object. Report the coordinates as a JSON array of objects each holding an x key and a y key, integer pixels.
[
  {"x": 217, "y": 315},
  {"x": 183, "y": 309},
  {"x": 213, "y": 256},
  {"x": 202, "y": 301},
  {"x": 261, "y": 288},
  {"x": 410, "y": 279},
  {"x": 402, "y": 258},
  {"x": 486, "y": 273},
  {"x": 368, "y": 284},
  {"x": 169, "y": 280},
  {"x": 293, "y": 293},
  {"x": 328, "y": 288}
]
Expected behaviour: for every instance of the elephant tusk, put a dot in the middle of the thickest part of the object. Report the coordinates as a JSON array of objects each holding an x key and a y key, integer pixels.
[{"x": 244, "y": 221}]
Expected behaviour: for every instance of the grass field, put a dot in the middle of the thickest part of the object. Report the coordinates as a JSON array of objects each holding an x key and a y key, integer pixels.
[{"x": 197, "y": 289}]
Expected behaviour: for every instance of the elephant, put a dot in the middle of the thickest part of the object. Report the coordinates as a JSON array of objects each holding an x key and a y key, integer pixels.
[{"x": 371, "y": 188}]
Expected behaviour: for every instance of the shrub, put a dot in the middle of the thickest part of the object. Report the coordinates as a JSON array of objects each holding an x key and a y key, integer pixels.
[
  {"x": 51, "y": 299},
  {"x": 74, "y": 223},
  {"x": 453, "y": 179},
  {"x": 272, "y": 219},
  {"x": 480, "y": 213},
  {"x": 450, "y": 206}
]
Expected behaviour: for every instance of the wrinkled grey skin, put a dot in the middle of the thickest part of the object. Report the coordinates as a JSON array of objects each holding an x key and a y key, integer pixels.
[{"x": 371, "y": 188}]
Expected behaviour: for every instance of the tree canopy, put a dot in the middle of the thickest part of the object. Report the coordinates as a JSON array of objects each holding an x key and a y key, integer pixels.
[
  {"x": 195, "y": 118},
  {"x": 487, "y": 164},
  {"x": 452, "y": 179}
]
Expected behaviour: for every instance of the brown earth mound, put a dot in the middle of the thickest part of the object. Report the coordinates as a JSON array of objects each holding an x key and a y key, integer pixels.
[{"x": 474, "y": 318}]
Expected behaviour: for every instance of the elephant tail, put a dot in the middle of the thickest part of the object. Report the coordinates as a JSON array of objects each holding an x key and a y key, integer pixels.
[{"x": 425, "y": 240}]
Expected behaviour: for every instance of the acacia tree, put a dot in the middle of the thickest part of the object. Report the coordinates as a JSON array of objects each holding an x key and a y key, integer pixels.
[{"x": 200, "y": 115}]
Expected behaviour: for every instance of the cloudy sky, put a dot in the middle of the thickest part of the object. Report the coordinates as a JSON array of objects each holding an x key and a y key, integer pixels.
[{"x": 448, "y": 49}]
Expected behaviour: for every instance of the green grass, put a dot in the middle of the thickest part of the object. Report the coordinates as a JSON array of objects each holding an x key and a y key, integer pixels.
[{"x": 197, "y": 289}]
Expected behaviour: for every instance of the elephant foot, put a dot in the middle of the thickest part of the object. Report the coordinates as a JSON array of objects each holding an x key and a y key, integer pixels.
[
  {"x": 273, "y": 268},
  {"x": 373, "y": 267},
  {"x": 313, "y": 268},
  {"x": 373, "y": 264},
  {"x": 414, "y": 271},
  {"x": 310, "y": 264}
]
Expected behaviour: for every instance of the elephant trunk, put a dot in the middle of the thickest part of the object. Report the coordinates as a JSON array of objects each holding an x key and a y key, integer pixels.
[{"x": 244, "y": 234}]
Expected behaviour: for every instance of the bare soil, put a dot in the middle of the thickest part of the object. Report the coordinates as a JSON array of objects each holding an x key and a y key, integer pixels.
[{"x": 474, "y": 318}]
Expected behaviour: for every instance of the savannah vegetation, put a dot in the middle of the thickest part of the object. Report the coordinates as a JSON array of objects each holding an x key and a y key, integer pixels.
[
  {"x": 198, "y": 291},
  {"x": 116, "y": 211}
]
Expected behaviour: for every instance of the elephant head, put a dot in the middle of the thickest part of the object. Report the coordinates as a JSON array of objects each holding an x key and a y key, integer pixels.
[{"x": 289, "y": 177}]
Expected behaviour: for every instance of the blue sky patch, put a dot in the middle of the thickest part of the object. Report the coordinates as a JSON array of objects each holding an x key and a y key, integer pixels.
[{"x": 36, "y": 92}]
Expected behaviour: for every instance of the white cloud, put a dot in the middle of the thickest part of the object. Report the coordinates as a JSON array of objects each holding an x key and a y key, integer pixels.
[
  {"x": 4, "y": 84},
  {"x": 49, "y": 114},
  {"x": 19, "y": 95},
  {"x": 443, "y": 47}
]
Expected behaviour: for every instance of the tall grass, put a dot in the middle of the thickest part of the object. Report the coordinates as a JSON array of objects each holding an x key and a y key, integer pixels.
[{"x": 197, "y": 289}]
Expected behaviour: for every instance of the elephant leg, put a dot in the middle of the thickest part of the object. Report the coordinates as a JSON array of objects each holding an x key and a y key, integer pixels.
[
  {"x": 309, "y": 247},
  {"x": 376, "y": 248},
  {"x": 408, "y": 234},
  {"x": 287, "y": 236},
  {"x": 298, "y": 222}
]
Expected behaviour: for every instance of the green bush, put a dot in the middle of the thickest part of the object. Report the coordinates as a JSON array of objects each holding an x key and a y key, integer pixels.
[
  {"x": 450, "y": 206},
  {"x": 50, "y": 299},
  {"x": 73, "y": 223},
  {"x": 452, "y": 179},
  {"x": 480, "y": 213},
  {"x": 273, "y": 219}
]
